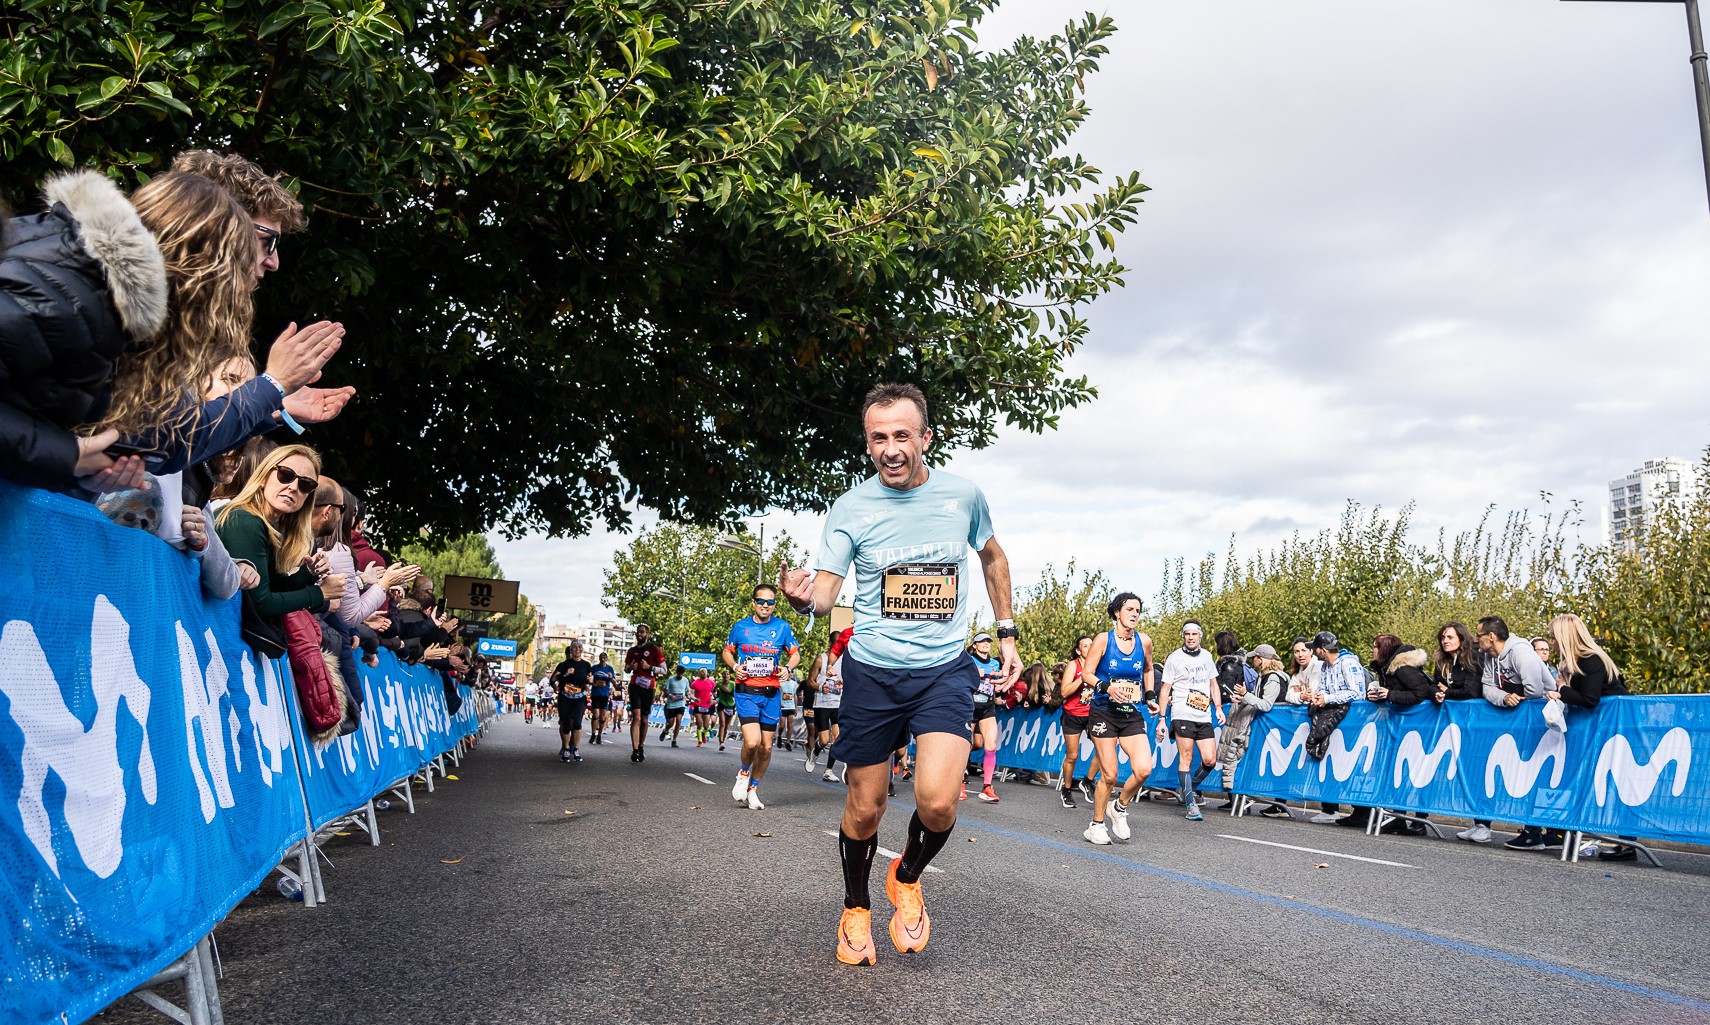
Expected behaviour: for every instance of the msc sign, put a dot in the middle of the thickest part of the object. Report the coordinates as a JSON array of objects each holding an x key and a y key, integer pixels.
[
  {"x": 493, "y": 647},
  {"x": 480, "y": 595},
  {"x": 697, "y": 660}
]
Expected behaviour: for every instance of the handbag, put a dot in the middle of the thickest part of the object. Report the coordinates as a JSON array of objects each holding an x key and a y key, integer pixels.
[
  {"x": 319, "y": 689},
  {"x": 259, "y": 632}
]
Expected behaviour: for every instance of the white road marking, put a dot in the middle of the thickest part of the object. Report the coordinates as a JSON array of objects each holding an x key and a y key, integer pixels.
[
  {"x": 887, "y": 852},
  {"x": 703, "y": 779},
  {"x": 1314, "y": 850}
]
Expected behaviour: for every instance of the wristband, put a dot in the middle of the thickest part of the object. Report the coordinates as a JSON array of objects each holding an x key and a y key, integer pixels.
[
  {"x": 289, "y": 422},
  {"x": 1007, "y": 632},
  {"x": 270, "y": 379}
]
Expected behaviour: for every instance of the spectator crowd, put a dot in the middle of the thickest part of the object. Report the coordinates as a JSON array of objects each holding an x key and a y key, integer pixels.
[{"x": 127, "y": 380}]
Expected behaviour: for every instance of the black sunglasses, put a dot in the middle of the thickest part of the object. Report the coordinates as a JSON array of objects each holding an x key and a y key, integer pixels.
[
  {"x": 269, "y": 239},
  {"x": 765, "y": 601},
  {"x": 305, "y": 485},
  {"x": 330, "y": 505}
]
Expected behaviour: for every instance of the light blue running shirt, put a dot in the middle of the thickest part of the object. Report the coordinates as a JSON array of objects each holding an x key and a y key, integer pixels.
[{"x": 912, "y": 571}]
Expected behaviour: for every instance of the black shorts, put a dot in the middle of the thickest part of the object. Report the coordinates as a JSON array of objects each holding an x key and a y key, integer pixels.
[
  {"x": 641, "y": 698},
  {"x": 1073, "y": 724},
  {"x": 673, "y": 713},
  {"x": 571, "y": 713},
  {"x": 598, "y": 703},
  {"x": 985, "y": 710},
  {"x": 1104, "y": 723},
  {"x": 882, "y": 707},
  {"x": 824, "y": 719},
  {"x": 1183, "y": 730}
]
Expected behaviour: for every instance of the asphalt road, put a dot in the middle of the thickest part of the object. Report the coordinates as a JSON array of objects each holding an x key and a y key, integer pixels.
[{"x": 616, "y": 892}]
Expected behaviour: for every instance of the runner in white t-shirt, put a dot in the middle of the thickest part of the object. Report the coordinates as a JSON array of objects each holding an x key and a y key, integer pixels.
[
  {"x": 1190, "y": 693},
  {"x": 827, "y": 684}
]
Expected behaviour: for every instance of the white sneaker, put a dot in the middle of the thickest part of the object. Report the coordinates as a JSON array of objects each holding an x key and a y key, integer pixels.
[
  {"x": 1324, "y": 818},
  {"x": 1477, "y": 834},
  {"x": 830, "y": 777},
  {"x": 810, "y": 763},
  {"x": 739, "y": 790},
  {"x": 1118, "y": 822},
  {"x": 754, "y": 799},
  {"x": 1096, "y": 833}
]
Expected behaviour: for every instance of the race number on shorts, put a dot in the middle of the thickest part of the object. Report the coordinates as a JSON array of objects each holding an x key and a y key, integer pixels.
[{"x": 920, "y": 590}]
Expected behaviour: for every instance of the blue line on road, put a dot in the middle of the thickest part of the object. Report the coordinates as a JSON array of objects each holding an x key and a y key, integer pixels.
[{"x": 1342, "y": 916}]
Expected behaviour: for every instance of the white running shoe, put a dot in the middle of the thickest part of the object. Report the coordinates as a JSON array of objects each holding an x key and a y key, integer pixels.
[
  {"x": 1119, "y": 822},
  {"x": 1324, "y": 818},
  {"x": 830, "y": 777},
  {"x": 1477, "y": 834},
  {"x": 739, "y": 790},
  {"x": 1096, "y": 833},
  {"x": 810, "y": 763},
  {"x": 754, "y": 799}
]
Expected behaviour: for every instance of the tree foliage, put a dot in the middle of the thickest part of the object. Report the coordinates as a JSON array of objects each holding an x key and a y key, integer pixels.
[
  {"x": 592, "y": 252},
  {"x": 689, "y": 590},
  {"x": 1054, "y": 611}
]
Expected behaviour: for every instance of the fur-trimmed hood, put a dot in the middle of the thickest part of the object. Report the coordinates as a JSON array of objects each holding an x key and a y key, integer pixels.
[
  {"x": 114, "y": 237},
  {"x": 1406, "y": 655}
]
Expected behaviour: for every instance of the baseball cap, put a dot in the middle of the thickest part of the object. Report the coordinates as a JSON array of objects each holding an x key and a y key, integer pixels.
[
  {"x": 1324, "y": 639},
  {"x": 1263, "y": 651},
  {"x": 982, "y": 636}
]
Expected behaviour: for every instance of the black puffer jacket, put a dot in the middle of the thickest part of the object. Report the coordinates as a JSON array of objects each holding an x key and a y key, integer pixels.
[
  {"x": 78, "y": 285},
  {"x": 1404, "y": 677}
]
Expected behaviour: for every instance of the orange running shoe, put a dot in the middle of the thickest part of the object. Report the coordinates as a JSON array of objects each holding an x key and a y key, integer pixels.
[
  {"x": 855, "y": 937},
  {"x": 910, "y": 926},
  {"x": 964, "y": 796}
]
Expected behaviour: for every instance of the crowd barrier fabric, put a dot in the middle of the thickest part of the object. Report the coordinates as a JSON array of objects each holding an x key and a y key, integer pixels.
[
  {"x": 1622, "y": 768},
  {"x": 149, "y": 761}
]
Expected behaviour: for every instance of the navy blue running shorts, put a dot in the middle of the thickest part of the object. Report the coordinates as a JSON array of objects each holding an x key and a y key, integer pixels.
[{"x": 882, "y": 708}]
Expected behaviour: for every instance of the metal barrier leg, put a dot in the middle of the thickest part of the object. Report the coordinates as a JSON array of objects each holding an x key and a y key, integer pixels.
[
  {"x": 373, "y": 826},
  {"x": 201, "y": 994}
]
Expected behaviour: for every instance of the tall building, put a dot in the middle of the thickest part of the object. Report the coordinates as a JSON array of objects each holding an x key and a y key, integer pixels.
[
  {"x": 1643, "y": 490},
  {"x": 607, "y": 635}
]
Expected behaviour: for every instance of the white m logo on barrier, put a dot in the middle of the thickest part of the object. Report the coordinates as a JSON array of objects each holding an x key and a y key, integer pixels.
[
  {"x": 1276, "y": 758},
  {"x": 1029, "y": 734},
  {"x": 1520, "y": 776},
  {"x": 1634, "y": 782},
  {"x": 1421, "y": 768},
  {"x": 1342, "y": 759}
]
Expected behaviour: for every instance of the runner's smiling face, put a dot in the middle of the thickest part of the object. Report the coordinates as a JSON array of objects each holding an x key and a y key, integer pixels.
[
  {"x": 764, "y": 604},
  {"x": 897, "y": 439}
]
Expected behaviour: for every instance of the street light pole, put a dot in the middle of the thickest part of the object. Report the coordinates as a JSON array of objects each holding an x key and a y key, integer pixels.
[{"x": 1700, "y": 76}]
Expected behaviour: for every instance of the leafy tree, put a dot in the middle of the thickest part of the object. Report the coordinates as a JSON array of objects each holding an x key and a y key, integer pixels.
[
  {"x": 660, "y": 248},
  {"x": 1054, "y": 611},
  {"x": 680, "y": 582}
]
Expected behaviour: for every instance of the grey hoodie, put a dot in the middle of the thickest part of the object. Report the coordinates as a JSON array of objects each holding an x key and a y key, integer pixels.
[{"x": 1517, "y": 670}]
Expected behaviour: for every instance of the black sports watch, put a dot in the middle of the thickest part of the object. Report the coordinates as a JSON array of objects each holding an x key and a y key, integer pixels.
[{"x": 1007, "y": 632}]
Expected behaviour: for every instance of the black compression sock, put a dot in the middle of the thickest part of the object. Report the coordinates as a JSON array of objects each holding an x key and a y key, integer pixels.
[
  {"x": 1200, "y": 774},
  {"x": 923, "y": 846},
  {"x": 857, "y": 867}
]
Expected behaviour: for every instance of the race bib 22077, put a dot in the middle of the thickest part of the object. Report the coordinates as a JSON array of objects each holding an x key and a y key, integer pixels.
[{"x": 920, "y": 591}]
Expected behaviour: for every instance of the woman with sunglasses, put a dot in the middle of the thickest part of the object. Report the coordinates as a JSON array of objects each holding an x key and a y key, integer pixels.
[{"x": 270, "y": 525}]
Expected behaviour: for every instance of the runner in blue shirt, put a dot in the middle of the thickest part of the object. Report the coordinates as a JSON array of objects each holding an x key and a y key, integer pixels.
[
  {"x": 985, "y": 713},
  {"x": 908, "y": 533},
  {"x": 600, "y": 698},
  {"x": 760, "y": 649}
]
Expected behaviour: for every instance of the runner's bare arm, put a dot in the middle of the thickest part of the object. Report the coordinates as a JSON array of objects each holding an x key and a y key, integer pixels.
[
  {"x": 996, "y": 566},
  {"x": 1070, "y": 685},
  {"x": 1095, "y": 655},
  {"x": 730, "y": 661},
  {"x": 808, "y": 591},
  {"x": 795, "y": 657}
]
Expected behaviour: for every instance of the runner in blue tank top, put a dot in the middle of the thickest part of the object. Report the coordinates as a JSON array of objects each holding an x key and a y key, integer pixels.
[{"x": 1118, "y": 667}]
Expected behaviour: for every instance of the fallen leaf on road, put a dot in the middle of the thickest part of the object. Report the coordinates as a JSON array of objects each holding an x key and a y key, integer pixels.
[
  {"x": 451, "y": 861},
  {"x": 568, "y": 812},
  {"x": 694, "y": 807},
  {"x": 342, "y": 832},
  {"x": 762, "y": 834},
  {"x": 451, "y": 777},
  {"x": 1322, "y": 864},
  {"x": 971, "y": 839}
]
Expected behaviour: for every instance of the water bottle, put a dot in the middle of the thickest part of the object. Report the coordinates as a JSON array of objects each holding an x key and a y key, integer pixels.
[
  {"x": 289, "y": 888},
  {"x": 382, "y": 805}
]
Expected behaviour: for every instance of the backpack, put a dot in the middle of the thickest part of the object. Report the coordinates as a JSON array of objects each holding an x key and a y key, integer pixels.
[{"x": 1230, "y": 674}]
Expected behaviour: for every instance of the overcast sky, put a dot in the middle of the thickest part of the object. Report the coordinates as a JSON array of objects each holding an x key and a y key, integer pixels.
[{"x": 1448, "y": 251}]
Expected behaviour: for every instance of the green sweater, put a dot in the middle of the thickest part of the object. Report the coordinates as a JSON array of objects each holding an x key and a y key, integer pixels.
[{"x": 245, "y": 538}]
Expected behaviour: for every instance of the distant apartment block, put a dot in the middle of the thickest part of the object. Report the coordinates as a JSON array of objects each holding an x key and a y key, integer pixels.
[
  {"x": 609, "y": 636},
  {"x": 1643, "y": 490}
]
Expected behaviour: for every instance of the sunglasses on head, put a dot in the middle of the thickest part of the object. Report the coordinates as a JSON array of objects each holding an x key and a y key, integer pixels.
[
  {"x": 305, "y": 485},
  {"x": 269, "y": 239}
]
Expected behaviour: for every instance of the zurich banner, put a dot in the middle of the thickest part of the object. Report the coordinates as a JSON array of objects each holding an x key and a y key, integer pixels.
[
  {"x": 1622, "y": 768},
  {"x": 151, "y": 765}
]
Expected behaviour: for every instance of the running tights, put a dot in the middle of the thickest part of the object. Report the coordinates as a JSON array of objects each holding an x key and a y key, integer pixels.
[
  {"x": 923, "y": 845},
  {"x": 987, "y": 764},
  {"x": 857, "y": 866}
]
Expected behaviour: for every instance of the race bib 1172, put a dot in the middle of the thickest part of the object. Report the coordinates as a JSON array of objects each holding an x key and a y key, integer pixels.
[{"x": 920, "y": 590}]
